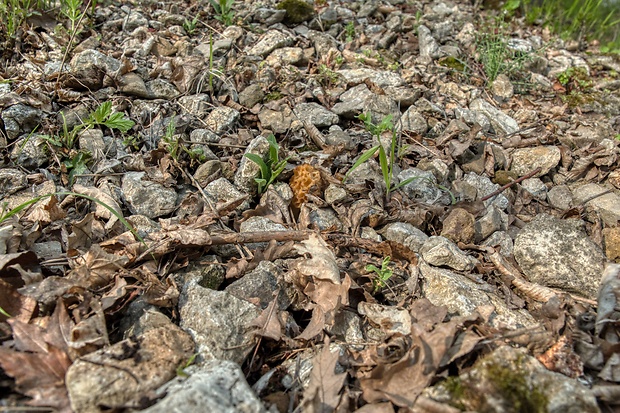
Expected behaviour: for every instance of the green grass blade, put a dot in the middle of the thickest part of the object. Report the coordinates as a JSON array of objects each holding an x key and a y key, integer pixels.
[
  {"x": 363, "y": 158},
  {"x": 265, "y": 170},
  {"x": 385, "y": 168}
]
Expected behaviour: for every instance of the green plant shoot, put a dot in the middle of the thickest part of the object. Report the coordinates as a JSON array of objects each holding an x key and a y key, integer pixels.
[
  {"x": 271, "y": 169},
  {"x": 383, "y": 274}
]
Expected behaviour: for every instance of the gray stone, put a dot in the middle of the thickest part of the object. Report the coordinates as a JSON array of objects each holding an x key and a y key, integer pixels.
[
  {"x": 536, "y": 187},
  {"x": 541, "y": 388},
  {"x": 502, "y": 88},
  {"x": 89, "y": 67},
  {"x": 459, "y": 226},
  {"x": 338, "y": 137},
  {"x": 607, "y": 205},
  {"x": 147, "y": 198},
  {"x": 278, "y": 121},
  {"x": 428, "y": 45},
  {"x": 30, "y": 152},
  {"x": 93, "y": 141},
  {"x": 248, "y": 170},
  {"x": 110, "y": 378},
  {"x": 287, "y": 56},
  {"x": 316, "y": 114},
  {"x": 134, "y": 20},
  {"x": 381, "y": 78},
  {"x": 423, "y": 187},
  {"x": 412, "y": 121},
  {"x": 502, "y": 240},
  {"x": 223, "y": 192},
  {"x": 427, "y": 107},
  {"x": 272, "y": 40},
  {"x": 405, "y": 96},
  {"x": 222, "y": 119},
  {"x": 558, "y": 253},
  {"x": 214, "y": 386},
  {"x": 484, "y": 187},
  {"x": 525, "y": 160},
  {"x": 19, "y": 119},
  {"x": 132, "y": 84},
  {"x": 198, "y": 105},
  {"x": 334, "y": 194},
  {"x": 322, "y": 42},
  {"x": 404, "y": 233},
  {"x": 440, "y": 251},
  {"x": 218, "y": 322},
  {"x": 161, "y": 89},
  {"x": 260, "y": 224},
  {"x": 493, "y": 220},
  {"x": 203, "y": 136},
  {"x": 262, "y": 284},
  {"x": 325, "y": 219},
  {"x": 380, "y": 106},
  {"x": 251, "y": 95},
  {"x": 353, "y": 101},
  {"x": 268, "y": 16},
  {"x": 139, "y": 318},
  {"x": 471, "y": 117},
  {"x": 11, "y": 181},
  {"x": 561, "y": 197},
  {"x": 463, "y": 296},
  {"x": 207, "y": 172},
  {"x": 500, "y": 122}
]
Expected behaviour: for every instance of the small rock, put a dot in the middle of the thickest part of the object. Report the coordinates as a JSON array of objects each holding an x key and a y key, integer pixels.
[
  {"x": 19, "y": 119},
  {"x": 536, "y": 187},
  {"x": 607, "y": 205},
  {"x": 334, "y": 194},
  {"x": 215, "y": 386},
  {"x": 502, "y": 88},
  {"x": 510, "y": 376},
  {"x": 406, "y": 234},
  {"x": 133, "y": 85},
  {"x": 502, "y": 240},
  {"x": 13, "y": 180},
  {"x": 198, "y": 105},
  {"x": 161, "y": 89},
  {"x": 428, "y": 45},
  {"x": 493, "y": 220},
  {"x": 440, "y": 251},
  {"x": 412, "y": 121},
  {"x": 381, "y": 78},
  {"x": 325, "y": 219},
  {"x": 147, "y": 198},
  {"x": 30, "y": 152},
  {"x": 484, "y": 187},
  {"x": 89, "y": 68},
  {"x": 110, "y": 378},
  {"x": 423, "y": 186},
  {"x": 501, "y": 122},
  {"x": 612, "y": 243},
  {"x": 316, "y": 114},
  {"x": 134, "y": 20},
  {"x": 268, "y": 16},
  {"x": 277, "y": 121},
  {"x": 561, "y": 197},
  {"x": 223, "y": 192},
  {"x": 272, "y": 40},
  {"x": 218, "y": 322},
  {"x": 458, "y": 226},
  {"x": 525, "y": 160},
  {"x": 222, "y": 119},
  {"x": 463, "y": 296},
  {"x": 259, "y": 286},
  {"x": 287, "y": 56},
  {"x": 251, "y": 95},
  {"x": 558, "y": 253},
  {"x": 353, "y": 101}
]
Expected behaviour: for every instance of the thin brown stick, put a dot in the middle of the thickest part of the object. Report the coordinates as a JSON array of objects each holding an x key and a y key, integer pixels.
[
  {"x": 508, "y": 185},
  {"x": 262, "y": 236}
]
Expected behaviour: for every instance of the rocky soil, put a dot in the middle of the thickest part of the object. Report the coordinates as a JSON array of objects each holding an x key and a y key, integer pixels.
[{"x": 145, "y": 268}]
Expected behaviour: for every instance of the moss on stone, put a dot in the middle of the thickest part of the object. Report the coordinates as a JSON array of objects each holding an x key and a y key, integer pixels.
[{"x": 297, "y": 11}]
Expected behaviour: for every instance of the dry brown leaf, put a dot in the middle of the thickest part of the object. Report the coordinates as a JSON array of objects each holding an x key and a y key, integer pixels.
[
  {"x": 18, "y": 306},
  {"x": 104, "y": 197},
  {"x": 323, "y": 392},
  {"x": 26, "y": 260},
  {"x": 268, "y": 322},
  {"x": 97, "y": 268}
]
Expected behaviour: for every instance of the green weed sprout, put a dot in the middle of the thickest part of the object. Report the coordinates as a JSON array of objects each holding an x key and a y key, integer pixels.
[
  {"x": 190, "y": 25},
  {"x": 223, "y": 10},
  {"x": 386, "y": 161},
  {"x": 269, "y": 170},
  {"x": 383, "y": 274},
  {"x": 4, "y": 313}
]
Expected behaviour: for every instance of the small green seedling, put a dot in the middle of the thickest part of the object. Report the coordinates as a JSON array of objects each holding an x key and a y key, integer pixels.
[
  {"x": 181, "y": 369},
  {"x": 223, "y": 11},
  {"x": 4, "y": 313},
  {"x": 349, "y": 30},
  {"x": 386, "y": 161},
  {"x": 383, "y": 274},
  {"x": 190, "y": 25},
  {"x": 271, "y": 169}
]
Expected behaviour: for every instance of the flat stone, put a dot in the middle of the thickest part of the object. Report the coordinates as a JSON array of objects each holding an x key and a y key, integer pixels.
[
  {"x": 607, "y": 205},
  {"x": 215, "y": 386},
  {"x": 463, "y": 296},
  {"x": 147, "y": 198},
  {"x": 525, "y": 160},
  {"x": 558, "y": 253},
  {"x": 440, "y": 252},
  {"x": 501, "y": 122},
  {"x": 272, "y": 40}
]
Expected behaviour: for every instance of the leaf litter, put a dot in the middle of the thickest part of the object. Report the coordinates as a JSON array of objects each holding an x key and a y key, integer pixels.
[{"x": 71, "y": 269}]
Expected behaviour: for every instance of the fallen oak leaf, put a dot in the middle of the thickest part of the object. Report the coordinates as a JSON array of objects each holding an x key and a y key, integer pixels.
[{"x": 323, "y": 392}]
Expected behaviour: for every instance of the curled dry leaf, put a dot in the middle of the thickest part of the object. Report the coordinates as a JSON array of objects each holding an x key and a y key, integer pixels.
[{"x": 323, "y": 392}]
